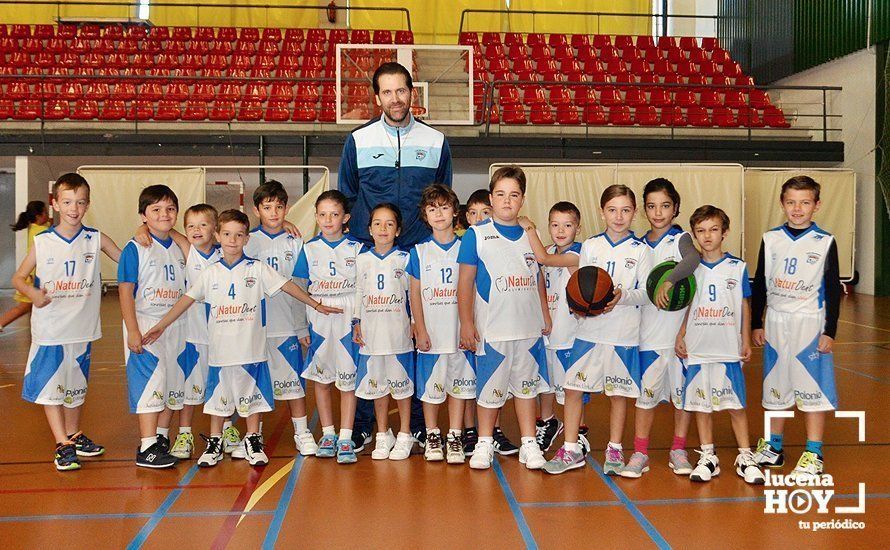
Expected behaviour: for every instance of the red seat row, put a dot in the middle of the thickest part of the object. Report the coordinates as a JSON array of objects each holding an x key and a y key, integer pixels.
[{"x": 687, "y": 43}]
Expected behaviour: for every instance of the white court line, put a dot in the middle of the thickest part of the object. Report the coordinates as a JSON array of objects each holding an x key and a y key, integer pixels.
[{"x": 864, "y": 326}]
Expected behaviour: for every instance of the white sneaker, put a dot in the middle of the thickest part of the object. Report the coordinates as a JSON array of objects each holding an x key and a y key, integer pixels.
[
  {"x": 213, "y": 455},
  {"x": 531, "y": 455},
  {"x": 483, "y": 454},
  {"x": 305, "y": 443},
  {"x": 746, "y": 467},
  {"x": 238, "y": 452},
  {"x": 454, "y": 449},
  {"x": 708, "y": 466},
  {"x": 402, "y": 449},
  {"x": 231, "y": 440},
  {"x": 253, "y": 450},
  {"x": 384, "y": 444},
  {"x": 183, "y": 446},
  {"x": 433, "y": 451}
]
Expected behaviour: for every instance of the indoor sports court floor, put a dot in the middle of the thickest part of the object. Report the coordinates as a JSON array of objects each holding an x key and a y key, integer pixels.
[{"x": 306, "y": 503}]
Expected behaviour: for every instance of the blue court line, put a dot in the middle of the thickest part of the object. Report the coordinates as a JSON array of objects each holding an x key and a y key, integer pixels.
[
  {"x": 647, "y": 526},
  {"x": 286, "y": 495},
  {"x": 675, "y": 501},
  {"x": 162, "y": 510},
  {"x": 514, "y": 507},
  {"x": 134, "y": 515},
  {"x": 869, "y": 376}
]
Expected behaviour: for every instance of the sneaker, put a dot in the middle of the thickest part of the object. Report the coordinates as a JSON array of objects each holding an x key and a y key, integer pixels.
[
  {"x": 531, "y": 455},
  {"x": 239, "y": 451},
  {"x": 327, "y": 446},
  {"x": 747, "y": 468},
  {"x": 305, "y": 443},
  {"x": 346, "y": 452},
  {"x": 420, "y": 437},
  {"x": 708, "y": 466},
  {"x": 502, "y": 445},
  {"x": 563, "y": 461},
  {"x": 471, "y": 437},
  {"x": 253, "y": 450},
  {"x": 808, "y": 468},
  {"x": 183, "y": 446},
  {"x": 483, "y": 454},
  {"x": 360, "y": 438},
  {"x": 164, "y": 443},
  {"x": 433, "y": 451},
  {"x": 154, "y": 457},
  {"x": 383, "y": 446},
  {"x": 213, "y": 454},
  {"x": 231, "y": 440},
  {"x": 403, "y": 446},
  {"x": 66, "y": 457},
  {"x": 636, "y": 466},
  {"x": 582, "y": 439},
  {"x": 454, "y": 449},
  {"x": 614, "y": 462},
  {"x": 546, "y": 431},
  {"x": 679, "y": 462},
  {"x": 85, "y": 446},
  {"x": 766, "y": 456}
]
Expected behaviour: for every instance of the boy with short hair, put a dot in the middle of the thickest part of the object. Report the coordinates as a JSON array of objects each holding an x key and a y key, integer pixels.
[
  {"x": 238, "y": 379},
  {"x": 714, "y": 338},
  {"x": 65, "y": 319},
  {"x": 798, "y": 283},
  {"x": 503, "y": 311},
  {"x": 150, "y": 281},
  {"x": 286, "y": 327}
]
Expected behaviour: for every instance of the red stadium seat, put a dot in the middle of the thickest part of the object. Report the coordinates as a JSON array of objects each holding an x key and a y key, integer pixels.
[
  {"x": 559, "y": 95},
  {"x": 666, "y": 43},
  {"x": 533, "y": 95},
  {"x": 222, "y": 111},
  {"x": 619, "y": 115},
  {"x": 44, "y": 32},
  {"x": 710, "y": 98},
  {"x": 168, "y": 109},
  {"x": 660, "y": 97},
  {"x": 557, "y": 39},
  {"x": 750, "y": 118},
  {"x": 85, "y": 109},
  {"x": 195, "y": 109},
  {"x": 608, "y": 53},
  {"x": 508, "y": 94},
  {"x": 140, "y": 109},
  {"x": 567, "y": 114},
  {"x": 688, "y": 42},
  {"x": 734, "y": 97},
  {"x": 724, "y": 117},
  {"x": 594, "y": 115},
  {"x": 697, "y": 116},
  {"x": 580, "y": 40},
  {"x": 277, "y": 111},
  {"x": 645, "y": 42},
  {"x": 684, "y": 97},
  {"x": 775, "y": 118},
  {"x": 709, "y": 43},
  {"x": 645, "y": 115},
  {"x": 28, "y": 109},
  {"x": 56, "y": 109},
  {"x": 513, "y": 114},
  {"x": 468, "y": 38},
  {"x": 758, "y": 98},
  {"x": 563, "y": 52},
  {"x": 672, "y": 116},
  {"x": 304, "y": 111},
  {"x": 623, "y": 41},
  {"x": 601, "y": 40},
  {"x": 635, "y": 97},
  {"x": 249, "y": 111},
  {"x": 489, "y": 38},
  {"x": 610, "y": 96},
  {"x": 586, "y": 52},
  {"x": 535, "y": 39},
  {"x": 404, "y": 37},
  {"x": 541, "y": 114},
  {"x": 382, "y": 37}
]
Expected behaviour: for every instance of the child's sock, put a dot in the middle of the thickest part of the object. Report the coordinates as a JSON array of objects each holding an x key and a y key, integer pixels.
[
  {"x": 227, "y": 423},
  {"x": 775, "y": 441},
  {"x": 147, "y": 442},
  {"x": 641, "y": 445},
  {"x": 489, "y": 440},
  {"x": 261, "y": 427},
  {"x": 345, "y": 434},
  {"x": 185, "y": 429},
  {"x": 454, "y": 431},
  {"x": 616, "y": 446},
  {"x": 574, "y": 447},
  {"x": 679, "y": 443},
  {"x": 218, "y": 436},
  {"x": 815, "y": 447},
  {"x": 433, "y": 430},
  {"x": 527, "y": 441},
  {"x": 301, "y": 424},
  {"x": 163, "y": 431},
  {"x": 708, "y": 448},
  {"x": 329, "y": 430},
  {"x": 743, "y": 450}
]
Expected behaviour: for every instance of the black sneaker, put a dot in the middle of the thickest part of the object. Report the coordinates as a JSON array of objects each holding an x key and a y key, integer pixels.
[
  {"x": 85, "y": 446},
  {"x": 471, "y": 437},
  {"x": 164, "y": 443},
  {"x": 420, "y": 437},
  {"x": 546, "y": 431},
  {"x": 502, "y": 445},
  {"x": 360, "y": 438},
  {"x": 155, "y": 457},
  {"x": 66, "y": 457}
]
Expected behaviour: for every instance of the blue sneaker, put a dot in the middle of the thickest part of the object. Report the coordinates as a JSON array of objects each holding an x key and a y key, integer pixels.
[
  {"x": 346, "y": 452},
  {"x": 327, "y": 446}
]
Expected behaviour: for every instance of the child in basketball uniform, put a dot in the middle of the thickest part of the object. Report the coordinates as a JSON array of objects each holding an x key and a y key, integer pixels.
[
  {"x": 66, "y": 293},
  {"x": 443, "y": 370},
  {"x": 661, "y": 370},
  {"x": 150, "y": 281},
  {"x": 238, "y": 378},
  {"x": 382, "y": 330},
  {"x": 35, "y": 219},
  {"x": 604, "y": 355},
  {"x": 503, "y": 311},
  {"x": 327, "y": 262},
  {"x": 714, "y": 338},
  {"x": 797, "y": 282},
  {"x": 286, "y": 326}
]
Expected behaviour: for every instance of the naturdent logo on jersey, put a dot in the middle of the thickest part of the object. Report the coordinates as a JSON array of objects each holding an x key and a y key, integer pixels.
[
  {"x": 792, "y": 284},
  {"x": 515, "y": 283},
  {"x": 707, "y": 312},
  {"x": 784, "y": 494},
  {"x": 59, "y": 288},
  {"x": 163, "y": 294},
  {"x": 431, "y": 293}
]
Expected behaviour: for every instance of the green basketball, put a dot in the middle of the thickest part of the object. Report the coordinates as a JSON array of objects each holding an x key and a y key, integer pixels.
[{"x": 680, "y": 294}]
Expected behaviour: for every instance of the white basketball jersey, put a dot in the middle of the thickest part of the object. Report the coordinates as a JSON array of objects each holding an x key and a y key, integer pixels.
[
  {"x": 381, "y": 302},
  {"x": 437, "y": 271},
  {"x": 714, "y": 326},
  {"x": 69, "y": 271},
  {"x": 628, "y": 262},
  {"x": 795, "y": 269},
  {"x": 237, "y": 298},
  {"x": 659, "y": 328},
  {"x": 160, "y": 276},
  {"x": 565, "y": 324},
  {"x": 328, "y": 266},
  {"x": 198, "y": 314},
  {"x": 508, "y": 306},
  {"x": 279, "y": 251}
]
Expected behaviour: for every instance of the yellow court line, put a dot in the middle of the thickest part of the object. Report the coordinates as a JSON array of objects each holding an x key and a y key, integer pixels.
[
  {"x": 6, "y": 386},
  {"x": 864, "y": 326},
  {"x": 264, "y": 488}
]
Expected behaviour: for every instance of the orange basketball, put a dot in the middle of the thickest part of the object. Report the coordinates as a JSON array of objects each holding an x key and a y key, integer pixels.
[{"x": 589, "y": 290}]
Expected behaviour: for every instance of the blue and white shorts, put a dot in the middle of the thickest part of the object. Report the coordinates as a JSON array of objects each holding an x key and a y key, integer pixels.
[
  {"x": 284, "y": 355},
  {"x": 57, "y": 375},
  {"x": 663, "y": 378},
  {"x": 379, "y": 375},
  {"x": 598, "y": 368},
  {"x": 444, "y": 374},
  {"x": 195, "y": 368},
  {"x": 558, "y": 360},
  {"x": 712, "y": 387},
  {"x": 156, "y": 377},
  {"x": 517, "y": 367},
  {"x": 794, "y": 371},
  {"x": 245, "y": 389},
  {"x": 333, "y": 355}
]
